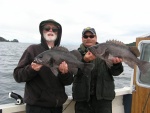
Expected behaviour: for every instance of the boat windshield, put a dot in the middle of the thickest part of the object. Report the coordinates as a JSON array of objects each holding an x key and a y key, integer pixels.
[{"x": 144, "y": 79}]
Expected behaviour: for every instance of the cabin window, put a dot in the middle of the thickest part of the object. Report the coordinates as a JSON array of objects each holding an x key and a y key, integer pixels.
[{"x": 144, "y": 79}]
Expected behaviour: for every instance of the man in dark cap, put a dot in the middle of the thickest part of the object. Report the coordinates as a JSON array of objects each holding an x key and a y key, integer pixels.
[
  {"x": 94, "y": 92},
  {"x": 44, "y": 92}
]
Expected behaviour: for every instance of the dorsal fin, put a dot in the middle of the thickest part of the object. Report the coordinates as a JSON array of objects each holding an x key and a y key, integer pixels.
[
  {"x": 118, "y": 43},
  {"x": 60, "y": 48},
  {"x": 134, "y": 50},
  {"x": 115, "y": 42}
]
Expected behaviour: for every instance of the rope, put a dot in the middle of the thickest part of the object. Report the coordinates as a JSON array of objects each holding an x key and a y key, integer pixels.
[
  {"x": 67, "y": 106},
  {"x": 146, "y": 103}
]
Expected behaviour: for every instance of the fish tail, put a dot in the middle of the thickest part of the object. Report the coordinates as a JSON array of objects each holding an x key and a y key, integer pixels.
[{"x": 144, "y": 67}]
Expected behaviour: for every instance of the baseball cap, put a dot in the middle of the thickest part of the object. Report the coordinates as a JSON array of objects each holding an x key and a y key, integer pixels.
[{"x": 92, "y": 30}]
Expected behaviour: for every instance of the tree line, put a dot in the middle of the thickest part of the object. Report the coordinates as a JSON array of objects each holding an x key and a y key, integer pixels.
[{"x": 4, "y": 40}]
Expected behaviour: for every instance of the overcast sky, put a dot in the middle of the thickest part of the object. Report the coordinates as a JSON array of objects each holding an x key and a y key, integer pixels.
[{"x": 123, "y": 20}]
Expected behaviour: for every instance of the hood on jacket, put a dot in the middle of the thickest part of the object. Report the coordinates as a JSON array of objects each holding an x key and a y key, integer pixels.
[{"x": 42, "y": 24}]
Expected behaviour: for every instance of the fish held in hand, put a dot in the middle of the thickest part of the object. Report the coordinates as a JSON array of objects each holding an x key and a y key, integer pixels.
[
  {"x": 115, "y": 48},
  {"x": 53, "y": 57}
]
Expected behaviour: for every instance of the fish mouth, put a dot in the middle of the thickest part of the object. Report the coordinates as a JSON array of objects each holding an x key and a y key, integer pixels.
[{"x": 38, "y": 61}]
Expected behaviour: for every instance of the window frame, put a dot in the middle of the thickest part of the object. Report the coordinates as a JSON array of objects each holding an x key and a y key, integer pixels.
[{"x": 138, "y": 73}]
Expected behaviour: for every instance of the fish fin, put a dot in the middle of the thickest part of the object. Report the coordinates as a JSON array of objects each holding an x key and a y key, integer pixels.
[
  {"x": 55, "y": 71},
  {"x": 134, "y": 50},
  {"x": 116, "y": 42},
  {"x": 103, "y": 53},
  {"x": 51, "y": 62},
  {"x": 47, "y": 65},
  {"x": 74, "y": 70},
  {"x": 109, "y": 63},
  {"x": 144, "y": 67},
  {"x": 60, "y": 48},
  {"x": 87, "y": 68},
  {"x": 106, "y": 54},
  {"x": 77, "y": 54},
  {"x": 107, "y": 58}
]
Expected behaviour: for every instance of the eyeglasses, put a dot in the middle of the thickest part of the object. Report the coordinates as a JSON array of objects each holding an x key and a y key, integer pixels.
[
  {"x": 90, "y": 36},
  {"x": 47, "y": 28}
]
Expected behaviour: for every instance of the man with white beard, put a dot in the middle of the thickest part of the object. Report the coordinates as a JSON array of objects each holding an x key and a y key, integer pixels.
[
  {"x": 50, "y": 34},
  {"x": 44, "y": 92}
]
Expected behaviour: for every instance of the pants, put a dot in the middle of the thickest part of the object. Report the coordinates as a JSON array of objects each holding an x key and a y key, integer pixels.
[
  {"x": 38, "y": 109},
  {"x": 94, "y": 106}
]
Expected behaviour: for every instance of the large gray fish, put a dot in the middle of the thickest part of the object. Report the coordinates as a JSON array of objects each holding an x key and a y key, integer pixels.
[
  {"x": 118, "y": 49},
  {"x": 53, "y": 57}
]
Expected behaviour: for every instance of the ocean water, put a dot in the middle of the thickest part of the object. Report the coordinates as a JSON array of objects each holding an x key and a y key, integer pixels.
[{"x": 10, "y": 54}]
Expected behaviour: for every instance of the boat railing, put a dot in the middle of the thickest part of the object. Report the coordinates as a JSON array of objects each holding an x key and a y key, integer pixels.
[{"x": 68, "y": 106}]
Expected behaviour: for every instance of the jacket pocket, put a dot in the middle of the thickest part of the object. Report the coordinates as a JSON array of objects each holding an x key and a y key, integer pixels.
[
  {"x": 53, "y": 98},
  {"x": 108, "y": 89},
  {"x": 48, "y": 96},
  {"x": 81, "y": 88},
  {"x": 79, "y": 92}
]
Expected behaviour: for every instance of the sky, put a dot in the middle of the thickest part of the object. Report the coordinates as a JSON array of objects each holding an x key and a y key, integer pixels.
[{"x": 122, "y": 20}]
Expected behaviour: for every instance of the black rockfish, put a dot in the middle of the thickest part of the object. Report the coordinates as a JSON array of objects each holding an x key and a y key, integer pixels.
[
  {"x": 118, "y": 49},
  {"x": 53, "y": 57}
]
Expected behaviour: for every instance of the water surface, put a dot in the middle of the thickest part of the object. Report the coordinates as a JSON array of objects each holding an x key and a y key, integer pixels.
[{"x": 10, "y": 54}]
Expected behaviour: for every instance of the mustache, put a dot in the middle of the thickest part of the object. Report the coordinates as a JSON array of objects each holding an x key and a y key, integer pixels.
[{"x": 50, "y": 38}]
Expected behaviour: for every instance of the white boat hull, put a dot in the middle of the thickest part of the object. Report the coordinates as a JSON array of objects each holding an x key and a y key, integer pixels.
[{"x": 68, "y": 107}]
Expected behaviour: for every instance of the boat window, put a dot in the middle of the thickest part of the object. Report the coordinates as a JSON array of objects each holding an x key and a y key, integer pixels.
[{"x": 144, "y": 79}]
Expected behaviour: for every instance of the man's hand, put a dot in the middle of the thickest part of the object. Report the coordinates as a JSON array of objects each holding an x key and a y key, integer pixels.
[
  {"x": 116, "y": 60},
  {"x": 89, "y": 57},
  {"x": 63, "y": 67},
  {"x": 36, "y": 66}
]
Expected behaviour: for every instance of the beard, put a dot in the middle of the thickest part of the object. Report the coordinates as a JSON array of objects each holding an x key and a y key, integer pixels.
[{"x": 50, "y": 38}]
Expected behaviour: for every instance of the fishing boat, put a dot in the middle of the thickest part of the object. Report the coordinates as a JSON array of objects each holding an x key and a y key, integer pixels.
[{"x": 132, "y": 99}]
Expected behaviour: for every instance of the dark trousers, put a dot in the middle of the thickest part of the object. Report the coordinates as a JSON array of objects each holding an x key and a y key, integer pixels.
[
  {"x": 94, "y": 106},
  {"x": 37, "y": 109}
]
